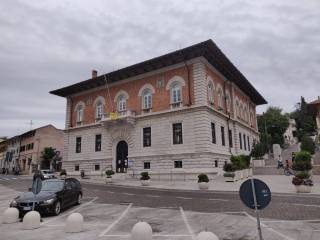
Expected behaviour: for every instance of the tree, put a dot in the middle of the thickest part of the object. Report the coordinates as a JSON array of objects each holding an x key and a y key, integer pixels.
[
  {"x": 306, "y": 124},
  {"x": 307, "y": 144},
  {"x": 272, "y": 125},
  {"x": 47, "y": 155}
]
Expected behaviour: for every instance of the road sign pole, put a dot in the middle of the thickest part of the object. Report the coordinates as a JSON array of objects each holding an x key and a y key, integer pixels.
[{"x": 256, "y": 209}]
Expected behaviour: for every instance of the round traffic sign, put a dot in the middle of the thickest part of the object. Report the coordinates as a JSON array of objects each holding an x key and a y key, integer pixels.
[{"x": 263, "y": 194}]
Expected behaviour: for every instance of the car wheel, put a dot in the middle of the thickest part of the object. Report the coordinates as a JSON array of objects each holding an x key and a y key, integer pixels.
[
  {"x": 79, "y": 199},
  {"x": 57, "y": 208}
]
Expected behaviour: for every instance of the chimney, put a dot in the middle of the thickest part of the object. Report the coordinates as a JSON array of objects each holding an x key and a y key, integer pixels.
[{"x": 94, "y": 74}]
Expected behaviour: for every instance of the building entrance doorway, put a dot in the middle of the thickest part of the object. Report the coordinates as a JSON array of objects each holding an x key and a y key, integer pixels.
[{"x": 122, "y": 157}]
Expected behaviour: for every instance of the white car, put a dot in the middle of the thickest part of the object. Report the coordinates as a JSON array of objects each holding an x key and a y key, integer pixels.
[{"x": 48, "y": 174}]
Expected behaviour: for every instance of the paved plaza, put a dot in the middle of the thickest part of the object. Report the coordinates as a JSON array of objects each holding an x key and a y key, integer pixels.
[{"x": 115, "y": 221}]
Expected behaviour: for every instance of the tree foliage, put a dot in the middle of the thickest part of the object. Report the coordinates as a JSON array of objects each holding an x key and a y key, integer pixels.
[
  {"x": 49, "y": 157},
  {"x": 272, "y": 125},
  {"x": 307, "y": 144},
  {"x": 305, "y": 122}
]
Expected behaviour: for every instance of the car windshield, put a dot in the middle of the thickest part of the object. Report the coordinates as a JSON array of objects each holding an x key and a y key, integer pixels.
[{"x": 52, "y": 185}]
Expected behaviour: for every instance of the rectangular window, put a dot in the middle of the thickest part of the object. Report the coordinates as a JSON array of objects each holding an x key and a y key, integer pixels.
[
  {"x": 147, "y": 101},
  {"x": 76, "y": 168},
  {"x": 147, "y": 137},
  {"x": 146, "y": 165},
  {"x": 240, "y": 140},
  {"x": 249, "y": 144},
  {"x": 96, "y": 167},
  {"x": 223, "y": 141},
  {"x": 213, "y": 133},
  {"x": 98, "y": 143},
  {"x": 244, "y": 142},
  {"x": 31, "y": 145},
  {"x": 230, "y": 138},
  {"x": 215, "y": 163},
  {"x": 78, "y": 145},
  {"x": 177, "y": 164},
  {"x": 177, "y": 133}
]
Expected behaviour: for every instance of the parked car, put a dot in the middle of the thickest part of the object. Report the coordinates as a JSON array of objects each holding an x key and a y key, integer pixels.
[
  {"x": 55, "y": 195},
  {"x": 47, "y": 173}
]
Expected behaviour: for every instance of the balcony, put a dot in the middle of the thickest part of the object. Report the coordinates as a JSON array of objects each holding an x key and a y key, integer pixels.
[{"x": 126, "y": 117}]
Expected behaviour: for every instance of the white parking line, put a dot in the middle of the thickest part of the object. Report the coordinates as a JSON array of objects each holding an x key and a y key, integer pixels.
[
  {"x": 268, "y": 228},
  {"x": 69, "y": 212},
  {"x": 305, "y": 205},
  {"x": 218, "y": 199},
  {"x": 186, "y": 222},
  {"x": 103, "y": 233},
  {"x": 129, "y": 194},
  {"x": 154, "y": 196},
  {"x": 186, "y": 198}
]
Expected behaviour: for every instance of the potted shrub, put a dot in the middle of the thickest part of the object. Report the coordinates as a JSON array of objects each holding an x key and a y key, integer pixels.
[
  {"x": 203, "y": 181},
  {"x": 109, "y": 174},
  {"x": 63, "y": 173},
  {"x": 229, "y": 174},
  {"x": 302, "y": 182},
  {"x": 145, "y": 179},
  {"x": 302, "y": 166}
]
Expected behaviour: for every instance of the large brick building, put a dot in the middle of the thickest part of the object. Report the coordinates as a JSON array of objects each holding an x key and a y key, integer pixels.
[{"x": 188, "y": 109}]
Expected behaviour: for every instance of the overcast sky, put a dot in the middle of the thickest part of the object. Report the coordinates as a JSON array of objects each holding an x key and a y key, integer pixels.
[{"x": 45, "y": 45}]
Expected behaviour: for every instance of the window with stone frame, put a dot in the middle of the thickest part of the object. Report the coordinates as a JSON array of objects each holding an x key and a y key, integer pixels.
[
  {"x": 176, "y": 93},
  {"x": 223, "y": 140},
  {"x": 240, "y": 140},
  {"x": 230, "y": 138},
  {"x": 99, "y": 110},
  {"x": 211, "y": 92},
  {"x": 220, "y": 98},
  {"x": 122, "y": 103},
  {"x": 98, "y": 143},
  {"x": 78, "y": 145},
  {"x": 244, "y": 142},
  {"x": 147, "y": 137},
  {"x": 80, "y": 113},
  {"x": 77, "y": 168},
  {"x": 213, "y": 133},
  {"x": 177, "y": 133},
  {"x": 146, "y": 165},
  {"x": 97, "y": 167},
  {"x": 147, "y": 99}
]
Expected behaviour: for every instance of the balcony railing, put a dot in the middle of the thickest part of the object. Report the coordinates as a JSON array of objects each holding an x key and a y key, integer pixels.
[{"x": 124, "y": 117}]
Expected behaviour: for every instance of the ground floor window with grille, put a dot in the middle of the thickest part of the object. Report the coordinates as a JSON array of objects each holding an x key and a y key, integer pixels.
[
  {"x": 177, "y": 133},
  {"x": 177, "y": 164},
  {"x": 223, "y": 141},
  {"x": 97, "y": 167},
  {"x": 146, "y": 165},
  {"x": 230, "y": 138},
  {"x": 76, "y": 168}
]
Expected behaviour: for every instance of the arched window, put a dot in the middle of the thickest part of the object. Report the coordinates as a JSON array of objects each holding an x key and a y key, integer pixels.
[
  {"x": 241, "y": 111},
  {"x": 99, "y": 110},
  {"x": 220, "y": 98},
  {"x": 237, "y": 108},
  {"x": 80, "y": 113},
  {"x": 211, "y": 92},
  {"x": 245, "y": 114},
  {"x": 122, "y": 103},
  {"x": 176, "y": 93},
  {"x": 147, "y": 99},
  {"x": 228, "y": 101}
]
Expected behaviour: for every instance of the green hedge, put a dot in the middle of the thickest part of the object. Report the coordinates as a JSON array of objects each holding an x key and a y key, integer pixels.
[{"x": 240, "y": 162}]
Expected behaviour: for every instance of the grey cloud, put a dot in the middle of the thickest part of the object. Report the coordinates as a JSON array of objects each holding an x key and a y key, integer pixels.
[{"x": 46, "y": 44}]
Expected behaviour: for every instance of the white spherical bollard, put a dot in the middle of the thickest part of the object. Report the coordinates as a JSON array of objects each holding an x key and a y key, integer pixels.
[
  {"x": 10, "y": 215},
  {"x": 74, "y": 223},
  {"x": 141, "y": 231},
  {"x": 31, "y": 220},
  {"x": 206, "y": 236}
]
